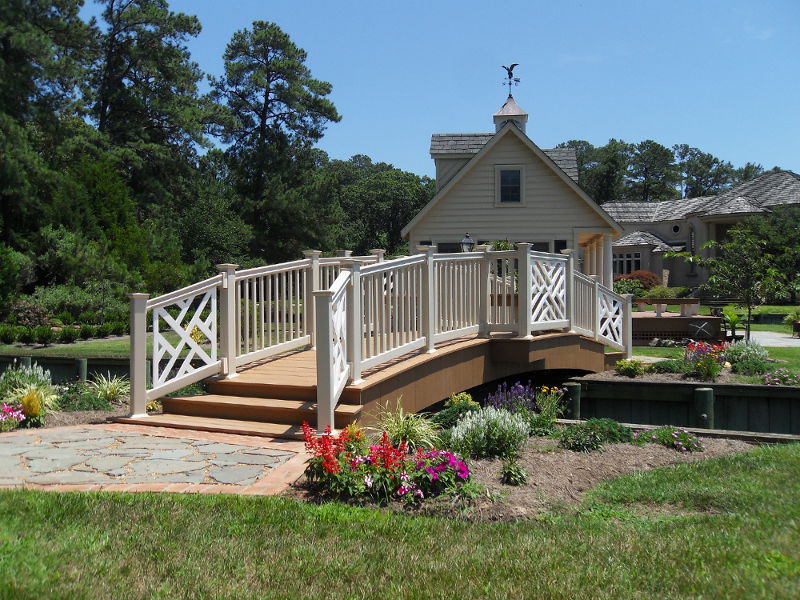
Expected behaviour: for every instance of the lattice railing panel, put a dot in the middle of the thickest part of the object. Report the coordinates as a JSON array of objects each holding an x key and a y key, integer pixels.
[
  {"x": 339, "y": 362},
  {"x": 195, "y": 324},
  {"x": 611, "y": 317},
  {"x": 548, "y": 290}
]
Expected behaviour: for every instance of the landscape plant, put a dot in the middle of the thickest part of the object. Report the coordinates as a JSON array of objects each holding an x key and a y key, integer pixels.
[
  {"x": 78, "y": 395},
  {"x": 68, "y": 335},
  {"x": 781, "y": 377},
  {"x": 704, "y": 360},
  {"x": 44, "y": 335},
  {"x": 110, "y": 388},
  {"x": 17, "y": 377},
  {"x": 581, "y": 437},
  {"x": 8, "y": 334},
  {"x": 490, "y": 432},
  {"x": 677, "y": 438},
  {"x": 36, "y": 401},
  {"x": 415, "y": 430},
  {"x": 512, "y": 473},
  {"x": 739, "y": 351},
  {"x": 610, "y": 431},
  {"x": 450, "y": 415},
  {"x": 10, "y": 417},
  {"x": 629, "y": 367},
  {"x": 670, "y": 365}
]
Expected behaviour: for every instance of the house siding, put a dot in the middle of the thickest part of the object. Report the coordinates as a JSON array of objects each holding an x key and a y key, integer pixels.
[
  {"x": 551, "y": 209},
  {"x": 446, "y": 168}
]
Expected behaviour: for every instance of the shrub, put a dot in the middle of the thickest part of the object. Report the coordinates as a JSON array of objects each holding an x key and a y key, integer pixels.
[
  {"x": 44, "y": 335},
  {"x": 65, "y": 317},
  {"x": 646, "y": 278},
  {"x": 25, "y": 335},
  {"x": 781, "y": 377},
  {"x": 8, "y": 334},
  {"x": 610, "y": 431},
  {"x": 629, "y": 368},
  {"x": 95, "y": 297},
  {"x": 490, "y": 432},
  {"x": 448, "y": 417},
  {"x": 629, "y": 286},
  {"x": 581, "y": 437},
  {"x": 110, "y": 388},
  {"x": 670, "y": 365},
  {"x": 745, "y": 351},
  {"x": 18, "y": 377},
  {"x": 36, "y": 401},
  {"x": 704, "y": 360},
  {"x": 414, "y": 429},
  {"x": 512, "y": 473},
  {"x": 68, "y": 335},
  {"x": 514, "y": 398},
  {"x": 460, "y": 398},
  {"x": 750, "y": 366},
  {"x": 87, "y": 332},
  {"x": 29, "y": 313},
  {"x": 677, "y": 438},
  {"x": 87, "y": 317},
  {"x": 78, "y": 395},
  {"x": 10, "y": 417},
  {"x": 119, "y": 328},
  {"x": 550, "y": 406},
  {"x": 104, "y": 330},
  {"x": 662, "y": 292}
]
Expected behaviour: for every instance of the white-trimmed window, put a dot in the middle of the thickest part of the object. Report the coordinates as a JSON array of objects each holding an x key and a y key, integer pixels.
[
  {"x": 509, "y": 185},
  {"x": 627, "y": 263}
]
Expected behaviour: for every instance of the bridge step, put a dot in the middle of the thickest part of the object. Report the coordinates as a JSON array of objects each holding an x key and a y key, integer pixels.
[
  {"x": 242, "y": 386},
  {"x": 239, "y": 427},
  {"x": 247, "y": 408}
]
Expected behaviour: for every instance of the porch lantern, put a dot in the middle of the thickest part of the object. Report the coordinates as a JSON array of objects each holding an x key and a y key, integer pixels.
[{"x": 467, "y": 244}]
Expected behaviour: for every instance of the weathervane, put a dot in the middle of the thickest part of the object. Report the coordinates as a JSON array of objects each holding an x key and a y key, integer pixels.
[{"x": 511, "y": 79}]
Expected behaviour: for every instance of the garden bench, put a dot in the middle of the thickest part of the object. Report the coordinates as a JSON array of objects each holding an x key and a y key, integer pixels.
[{"x": 689, "y": 306}]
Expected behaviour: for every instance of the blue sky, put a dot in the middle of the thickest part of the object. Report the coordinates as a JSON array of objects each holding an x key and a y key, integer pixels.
[{"x": 723, "y": 76}]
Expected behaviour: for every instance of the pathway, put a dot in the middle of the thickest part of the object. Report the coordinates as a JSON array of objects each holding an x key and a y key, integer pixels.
[{"x": 131, "y": 458}]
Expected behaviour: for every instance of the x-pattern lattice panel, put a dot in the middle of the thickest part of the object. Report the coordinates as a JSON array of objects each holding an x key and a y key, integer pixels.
[
  {"x": 339, "y": 336},
  {"x": 610, "y": 317},
  {"x": 207, "y": 326},
  {"x": 548, "y": 290}
]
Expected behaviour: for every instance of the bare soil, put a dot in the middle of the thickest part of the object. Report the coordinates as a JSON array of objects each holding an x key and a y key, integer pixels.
[
  {"x": 83, "y": 417},
  {"x": 726, "y": 376}
]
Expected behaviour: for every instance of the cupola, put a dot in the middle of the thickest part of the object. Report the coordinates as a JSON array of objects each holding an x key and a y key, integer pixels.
[{"x": 510, "y": 111}]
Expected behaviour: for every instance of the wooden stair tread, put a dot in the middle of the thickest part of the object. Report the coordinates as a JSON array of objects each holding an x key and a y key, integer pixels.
[
  {"x": 257, "y": 428},
  {"x": 258, "y": 402}
]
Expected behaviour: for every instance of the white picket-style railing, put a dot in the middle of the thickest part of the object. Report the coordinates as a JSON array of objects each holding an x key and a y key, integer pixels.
[{"x": 361, "y": 312}]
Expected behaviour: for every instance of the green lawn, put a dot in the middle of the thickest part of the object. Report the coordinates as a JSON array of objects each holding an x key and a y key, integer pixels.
[
  {"x": 734, "y": 535},
  {"x": 98, "y": 348}
]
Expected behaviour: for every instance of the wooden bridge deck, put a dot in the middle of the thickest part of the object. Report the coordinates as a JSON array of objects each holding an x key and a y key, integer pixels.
[{"x": 274, "y": 396}]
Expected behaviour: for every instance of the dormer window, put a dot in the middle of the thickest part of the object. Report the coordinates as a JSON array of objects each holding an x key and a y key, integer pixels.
[{"x": 509, "y": 189}]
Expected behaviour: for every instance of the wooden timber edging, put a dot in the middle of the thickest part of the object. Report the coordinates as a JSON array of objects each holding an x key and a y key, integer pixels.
[{"x": 740, "y": 407}]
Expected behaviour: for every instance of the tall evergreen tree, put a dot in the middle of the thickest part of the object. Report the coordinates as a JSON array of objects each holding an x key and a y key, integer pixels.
[
  {"x": 701, "y": 173},
  {"x": 651, "y": 173}
]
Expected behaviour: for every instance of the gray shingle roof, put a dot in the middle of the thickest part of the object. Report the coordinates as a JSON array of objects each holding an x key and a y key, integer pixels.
[
  {"x": 443, "y": 144},
  {"x": 756, "y": 196},
  {"x": 645, "y": 238}
]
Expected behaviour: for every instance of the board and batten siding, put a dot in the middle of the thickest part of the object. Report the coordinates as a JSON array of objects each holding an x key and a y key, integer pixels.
[{"x": 551, "y": 209}]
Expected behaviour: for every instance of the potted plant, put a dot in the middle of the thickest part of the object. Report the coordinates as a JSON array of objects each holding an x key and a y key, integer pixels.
[{"x": 793, "y": 319}]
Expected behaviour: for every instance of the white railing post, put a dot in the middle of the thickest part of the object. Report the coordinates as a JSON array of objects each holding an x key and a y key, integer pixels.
[
  {"x": 428, "y": 299},
  {"x": 378, "y": 253},
  {"x": 525, "y": 307},
  {"x": 483, "y": 291},
  {"x": 595, "y": 307},
  {"x": 228, "y": 331},
  {"x": 570, "y": 288},
  {"x": 344, "y": 253},
  {"x": 138, "y": 359},
  {"x": 312, "y": 284},
  {"x": 627, "y": 324},
  {"x": 355, "y": 335},
  {"x": 325, "y": 375}
]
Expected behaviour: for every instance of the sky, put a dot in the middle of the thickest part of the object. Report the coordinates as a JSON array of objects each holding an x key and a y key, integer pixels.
[{"x": 719, "y": 75}]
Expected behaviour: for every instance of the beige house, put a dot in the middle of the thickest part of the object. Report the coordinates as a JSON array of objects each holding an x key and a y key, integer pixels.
[
  {"x": 502, "y": 186},
  {"x": 654, "y": 228}
]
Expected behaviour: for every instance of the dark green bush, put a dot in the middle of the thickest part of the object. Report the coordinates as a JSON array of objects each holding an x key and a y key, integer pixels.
[
  {"x": 44, "y": 335},
  {"x": 68, "y": 335},
  {"x": 65, "y": 317},
  {"x": 119, "y": 328},
  {"x": 77, "y": 395},
  {"x": 87, "y": 317},
  {"x": 25, "y": 335},
  {"x": 629, "y": 368},
  {"x": 87, "y": 331},
  {"x": 671, "y": 365},
  {"x": 8, "y": 334},
  {"x": 448, "y": 417},
  {"x": 750, "y": 366},
  {"x": 104, "y": 330},
  {"x": 610, "y": 430},
  {"x": 581, "y": 438}
]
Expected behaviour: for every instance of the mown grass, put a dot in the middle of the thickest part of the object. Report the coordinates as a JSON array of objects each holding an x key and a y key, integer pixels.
[{"x": 735, "y": 535}]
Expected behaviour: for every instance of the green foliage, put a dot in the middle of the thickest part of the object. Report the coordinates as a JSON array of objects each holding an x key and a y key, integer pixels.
[
  {"x": 610, "y": 431},
  {"x": 629, "y": 286},
  {"x": 512, "y": 473},
  {"x": 744, "y": 351},
  {"x": 662, "y": 291},
  {"x": 110, "y": 388},
  {"x": 460, "y": 398},
  {"x": 15, "y": 378},
  {"x": 44, "y": 335},
  {"x": 581, "y": 438},
  {"x": 68, "y": 335},
  {"x": 28, "y": 313},
  {"x": 78, "y": 395},
  {"x": 87, "y": 301},
  {"x": 25, "y": 335},
  {"x": 792, "y": 316},
  {"x": 104, "y": 330},
  {"x": 750, "y": 366},
  {"x": 489, "y": 432},
  {"x": 16, "y": 270},
  {"x": 87, "y": 332},
  {"x": 8, "y": 334},
  {"x": 415, "y": 429},
  {"x": 671, "y": 365},
  {"x": 781, "y": 377},
  {"x": 449, "y": 416},
  {"x": 629, "y": 368},
  {"x": 677, "y": 438}
]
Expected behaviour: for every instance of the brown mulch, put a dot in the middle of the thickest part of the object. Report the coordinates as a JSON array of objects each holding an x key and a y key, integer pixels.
[
  {"x": 84, "y": 417},
  {"x": 726, "y": 376}
]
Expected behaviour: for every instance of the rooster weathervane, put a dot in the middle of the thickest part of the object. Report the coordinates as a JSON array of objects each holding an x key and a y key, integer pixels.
[{"x": 511, "y": 79}]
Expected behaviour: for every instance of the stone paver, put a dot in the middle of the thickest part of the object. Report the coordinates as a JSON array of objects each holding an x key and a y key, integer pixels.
[{"x": 133, "y": 458}]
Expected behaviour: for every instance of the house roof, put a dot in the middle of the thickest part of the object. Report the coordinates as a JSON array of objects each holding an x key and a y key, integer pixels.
[
  {"x": 758, "y": 195},
  {"x": 511, "y": 129},
  {"x": 646, "y": 238},
  {"x": 467, "y": 144}
]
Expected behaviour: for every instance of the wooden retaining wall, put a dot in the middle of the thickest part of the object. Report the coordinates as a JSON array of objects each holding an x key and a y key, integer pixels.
[{"x": 760, "y": 408}]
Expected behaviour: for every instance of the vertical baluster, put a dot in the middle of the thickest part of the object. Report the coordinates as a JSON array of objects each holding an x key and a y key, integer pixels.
[{"x": 290, "y": 295}]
